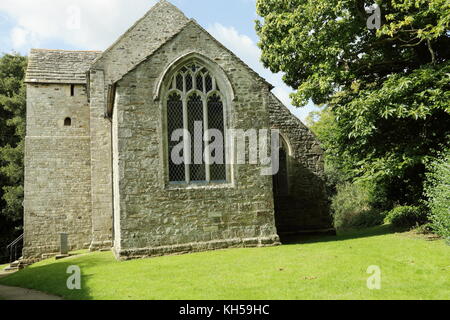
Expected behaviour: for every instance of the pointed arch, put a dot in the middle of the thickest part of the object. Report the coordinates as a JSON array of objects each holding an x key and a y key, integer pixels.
[
  {"x": 284, "y": 139},
  {"x": 281, "y": 179},
  {"x": 203, "y": 95},
  {"x": 213, "y": 67}
]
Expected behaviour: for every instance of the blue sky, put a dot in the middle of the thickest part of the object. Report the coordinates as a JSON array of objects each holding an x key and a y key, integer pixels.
[{"x": 95, "y": 24}]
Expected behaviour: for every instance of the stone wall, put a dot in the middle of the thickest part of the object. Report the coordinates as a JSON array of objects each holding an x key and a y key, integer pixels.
[
  {"x": 145, "y": 36},
  {"x": 156, "y": 218},
  {"x": 101, "y": 168},
  {"x": 57, "y": 169},
  {"x": 116, "y": 179},
  {"x": 305, "y": 207}
]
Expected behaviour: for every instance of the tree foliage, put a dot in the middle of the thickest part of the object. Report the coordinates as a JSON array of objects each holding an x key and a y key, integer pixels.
[
  {"x": 387, "y": 90},
  {"x": 12, "y": 132},
  {"x": 324, "y": 46},
  {"x": 438, "y": 192}
]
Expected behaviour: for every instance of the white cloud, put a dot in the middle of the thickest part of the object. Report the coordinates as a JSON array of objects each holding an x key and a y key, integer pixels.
[
  {"x": 96, "y": 24},
  {"x": 246, "y": 49},
  {"x": 19, "y": 37},
  {"x": 84, "y": 24}
]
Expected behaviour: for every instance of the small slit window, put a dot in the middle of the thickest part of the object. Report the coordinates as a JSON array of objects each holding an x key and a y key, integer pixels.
[
  {"x": 67, "y": 122},
  {"x": 72, "y": 90}
]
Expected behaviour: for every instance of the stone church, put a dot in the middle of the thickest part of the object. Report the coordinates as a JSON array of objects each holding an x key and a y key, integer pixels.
[{"x": 97, "y": 153}]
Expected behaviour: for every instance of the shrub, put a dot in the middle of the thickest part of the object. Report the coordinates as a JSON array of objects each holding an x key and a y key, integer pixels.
[
  {"x": 425, "y": 229},
  {"x": 407, "y": 216},
  {"x": 437, "y": 189},
  {"x": 352, "y": 207}
]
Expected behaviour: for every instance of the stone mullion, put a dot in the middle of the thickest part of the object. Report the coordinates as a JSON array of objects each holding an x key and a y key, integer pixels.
[
  {"x": 227, "y": 145},
  {"x": 194, "y": 80},
  {"x": 204, "y": 84},
  {"x": 186, "y": 140},
  {"x": 206, "y": 137}
]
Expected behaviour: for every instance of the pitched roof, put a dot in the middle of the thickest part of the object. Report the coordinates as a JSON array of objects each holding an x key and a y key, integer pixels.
[
  {"x": 194, "y": 22},
  {"x": 59, "y": 66}
]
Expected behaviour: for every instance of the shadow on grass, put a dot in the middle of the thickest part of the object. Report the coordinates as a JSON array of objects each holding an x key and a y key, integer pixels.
[
  {"x": 52, "y": 278},
  {"x": 341, "y": 236}
]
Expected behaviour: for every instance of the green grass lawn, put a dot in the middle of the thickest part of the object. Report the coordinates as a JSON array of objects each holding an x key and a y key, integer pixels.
[{"x": 317, "y": 268}]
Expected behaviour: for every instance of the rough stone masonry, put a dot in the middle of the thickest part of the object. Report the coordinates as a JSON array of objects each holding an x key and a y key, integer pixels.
[{"x": 97, "y": 160}]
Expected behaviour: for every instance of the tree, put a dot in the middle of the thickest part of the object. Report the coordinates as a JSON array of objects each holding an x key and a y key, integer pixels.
[
  {"x": 12, "y": 133},
  {"x": 388, "y": 90},
  {"x": 438, "y": 192}
]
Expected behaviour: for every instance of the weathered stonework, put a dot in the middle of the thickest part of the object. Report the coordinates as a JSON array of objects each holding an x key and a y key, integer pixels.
[
  {"x": 305, "y": 207},
  {"x": 57, "y": 169},
  {"x": 103, "y": 179}
]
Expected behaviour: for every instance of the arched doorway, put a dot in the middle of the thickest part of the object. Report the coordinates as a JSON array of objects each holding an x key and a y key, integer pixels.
[
  {"x": 281, "y": 179},
  {"x": 281, "y": 188}
]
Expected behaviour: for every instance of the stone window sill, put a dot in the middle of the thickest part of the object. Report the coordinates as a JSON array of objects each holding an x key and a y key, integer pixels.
[{"x": 200, "y": 186}]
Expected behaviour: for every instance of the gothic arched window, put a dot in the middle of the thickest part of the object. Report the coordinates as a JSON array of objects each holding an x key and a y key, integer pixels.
[{"x": 195, "y": 127}]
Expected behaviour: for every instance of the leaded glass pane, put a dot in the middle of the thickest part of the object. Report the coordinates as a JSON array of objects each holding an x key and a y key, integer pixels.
[
  {"x": 195, "y": 115},
  {"x": 216, "y": 121},
  {"x": 208, "y": 83},
  {"x": 175, "y": 122},
  {"x": 194, "y": 67},
  {"x": 199, "y": 82},
  {"x": 180, "y": 82},
  {"x": 189, "y": 82}
]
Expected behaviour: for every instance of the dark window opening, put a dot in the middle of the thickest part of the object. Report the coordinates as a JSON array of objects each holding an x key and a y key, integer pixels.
[
  {"x": 72, "y": 90},
  {"x": 175, "y": 122},
  {"x": 216, "y": 121},
  {"x": 280, "y": 180},
  {"x": 67, "y": 122}
]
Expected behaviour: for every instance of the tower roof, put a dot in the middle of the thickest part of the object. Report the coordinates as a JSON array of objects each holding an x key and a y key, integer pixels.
[{"x": 59, "y": 66}]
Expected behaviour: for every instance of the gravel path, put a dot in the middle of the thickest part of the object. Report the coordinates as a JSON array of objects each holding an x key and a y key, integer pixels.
[{"x": 13, "y": 293}]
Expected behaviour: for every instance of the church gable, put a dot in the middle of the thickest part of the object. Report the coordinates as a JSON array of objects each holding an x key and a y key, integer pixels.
[
  {"x": 158, "y": 25},
  {"x": 195, "y": 42},
  {"x": 194, "y": 39},
  {"x": 209, "y": 206}
]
